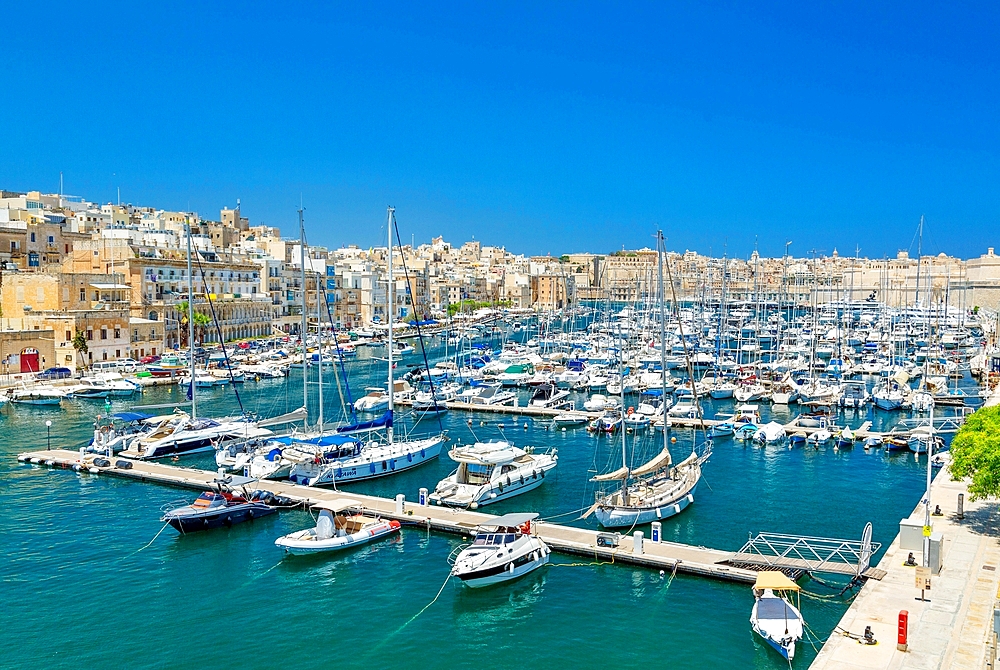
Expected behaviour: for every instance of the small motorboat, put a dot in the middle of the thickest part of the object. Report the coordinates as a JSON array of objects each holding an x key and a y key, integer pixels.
[
  {"x": 334, "y": 531},
  {"x": 569, "y": 419},
  {"x": 504, "y": 549},
  {"x": 873, "y": 442},
  {"x": 797, "y": 439},
  {"x": 770, "y": 433},
  {"x": 224, "y": 506},
  {"x": 636, "y": 421},
  {"x": 774, "y": 617},
  {"x": 845, "y": 438},
  {"x": 724, "y": 429},
  {"x": 821, "y": 436}
]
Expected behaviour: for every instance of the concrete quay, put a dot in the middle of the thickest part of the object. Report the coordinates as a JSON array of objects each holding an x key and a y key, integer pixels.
[{"x": 954, "y": 627}]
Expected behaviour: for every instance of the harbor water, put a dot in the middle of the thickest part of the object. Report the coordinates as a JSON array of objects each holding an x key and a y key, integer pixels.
[{"x": 87, "y": 582}]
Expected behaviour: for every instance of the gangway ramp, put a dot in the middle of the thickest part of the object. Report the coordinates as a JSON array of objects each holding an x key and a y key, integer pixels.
[{"x": 851, "y": 558}]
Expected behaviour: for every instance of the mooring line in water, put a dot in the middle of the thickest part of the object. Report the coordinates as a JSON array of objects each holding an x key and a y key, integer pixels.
[
  {"x": 557, "y": 516},
  {"x": 413, "y": 618},
  {"x": 147, "y": 544},
  {"x": 256, "y": 577}
]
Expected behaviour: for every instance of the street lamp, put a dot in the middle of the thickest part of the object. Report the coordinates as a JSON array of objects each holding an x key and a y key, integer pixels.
[{"x": 48, "y": 435}]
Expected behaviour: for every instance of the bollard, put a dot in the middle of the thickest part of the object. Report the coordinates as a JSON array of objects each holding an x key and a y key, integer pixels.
[
  {"x": 654, "y": 535},
  {"x": 423, "y": 497},
  {"x": 637, "y": 543},
  {"x": 400, "y": 504},
  {"x": 961, "y": 506},
  {"x": 904, "y": 618}
]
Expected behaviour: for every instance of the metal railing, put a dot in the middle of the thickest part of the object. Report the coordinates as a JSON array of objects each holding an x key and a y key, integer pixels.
[{"x": 816, "y": 554}]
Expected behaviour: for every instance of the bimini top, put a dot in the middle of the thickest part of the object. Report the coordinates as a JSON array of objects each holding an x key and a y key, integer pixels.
[
  {"x": 510, "y": 520},
  {"x": 774, "y": 580},
  {"x": 129, "y": 417}
]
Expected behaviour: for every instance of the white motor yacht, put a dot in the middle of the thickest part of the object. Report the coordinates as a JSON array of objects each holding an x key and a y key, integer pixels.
[
  {"x": 489, "y": 472},
  {"x": 504, "y": 549}
]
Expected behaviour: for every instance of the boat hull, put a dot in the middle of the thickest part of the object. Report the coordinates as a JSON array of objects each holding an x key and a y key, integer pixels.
[
  {"x": 617, "y": 517},
  {"x": 226, "y": 517},
  {"x": 511, "y": 570},
  {"x": 334, "y": 544}
]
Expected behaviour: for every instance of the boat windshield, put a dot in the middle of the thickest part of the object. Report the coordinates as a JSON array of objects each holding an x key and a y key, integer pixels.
[
  {"x": 477, "y": 474},
  {"x": 494, "y": 538},
  {"x": 208, "y": 499}
]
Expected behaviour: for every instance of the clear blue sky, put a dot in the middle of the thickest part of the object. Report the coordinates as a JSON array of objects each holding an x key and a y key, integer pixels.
[{"x": 544, "y": 127}]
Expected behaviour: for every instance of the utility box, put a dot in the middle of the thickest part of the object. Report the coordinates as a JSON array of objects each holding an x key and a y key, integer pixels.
[
  {"x": 911, "y": 535},
  {"x": 935, "y": 553}
]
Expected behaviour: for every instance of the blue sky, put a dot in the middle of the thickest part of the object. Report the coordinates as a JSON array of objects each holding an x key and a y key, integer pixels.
[{"x": 543, "y": 127}]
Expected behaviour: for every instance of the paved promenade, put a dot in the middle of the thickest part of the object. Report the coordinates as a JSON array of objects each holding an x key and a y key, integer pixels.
[{"x": 954, "y": 629}]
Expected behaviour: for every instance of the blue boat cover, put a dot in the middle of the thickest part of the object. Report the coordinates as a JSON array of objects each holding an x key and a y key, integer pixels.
[
  {"x": 129, "y": 417},
  {"x": 321, "y": 441},
  {"x": 384, "y": 420}
]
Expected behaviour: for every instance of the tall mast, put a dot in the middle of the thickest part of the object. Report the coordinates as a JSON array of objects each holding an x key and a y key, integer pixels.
[
  {"x": 663, "y": 333},
  {"x": 920, "y": 241},
  {"x": 319, "y": 344},
  {"x": 389, "y": 302},
  {"x": 191, "y": 387},
  {"x": 305, "y": 319}
]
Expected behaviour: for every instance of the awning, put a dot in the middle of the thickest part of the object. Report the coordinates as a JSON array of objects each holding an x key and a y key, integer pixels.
[
  {"x": 111, "y": 287},
  {"x": 510, "y": 520},
  {"x": 338, "y": 505},
  {"x": 774, "y": 580}
]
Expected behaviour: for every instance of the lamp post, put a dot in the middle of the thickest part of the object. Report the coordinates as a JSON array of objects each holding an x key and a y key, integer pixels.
[{"x": 48, "y": 435}]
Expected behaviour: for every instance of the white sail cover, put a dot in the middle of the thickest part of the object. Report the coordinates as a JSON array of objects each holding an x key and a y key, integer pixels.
[
  {"x": 661, "y": 460},
  {"x": 291, "y": 417},
  {"x": 620, "y": 473}
]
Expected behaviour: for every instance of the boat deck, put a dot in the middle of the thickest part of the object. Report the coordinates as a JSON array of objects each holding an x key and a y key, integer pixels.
[{"x": 668, "y": 556}]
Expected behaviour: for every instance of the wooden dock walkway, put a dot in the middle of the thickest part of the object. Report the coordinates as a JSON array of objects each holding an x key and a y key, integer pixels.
[{"x": 667, "y": 556}]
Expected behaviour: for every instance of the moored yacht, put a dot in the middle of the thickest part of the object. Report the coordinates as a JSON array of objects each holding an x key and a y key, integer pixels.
[
  {"x": 489, "y": 472},
  {"x": 504, "y": 549}
]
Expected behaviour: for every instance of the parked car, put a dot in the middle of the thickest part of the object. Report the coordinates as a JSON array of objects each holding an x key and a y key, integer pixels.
[
  {"x": 55, "y": 373},
  {"x": 128, "y": 364},
  {"x": 146, "y": 360}
]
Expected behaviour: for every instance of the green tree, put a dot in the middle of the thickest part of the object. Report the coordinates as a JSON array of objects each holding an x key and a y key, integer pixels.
[
  {"x": 975, "y": 453},
  {"x": 201, "y": 322},
  {"x": 80, "y": 344}
]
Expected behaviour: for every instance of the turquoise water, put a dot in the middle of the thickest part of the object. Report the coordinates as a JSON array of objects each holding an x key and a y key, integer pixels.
[{"x": 78, "y": 591}]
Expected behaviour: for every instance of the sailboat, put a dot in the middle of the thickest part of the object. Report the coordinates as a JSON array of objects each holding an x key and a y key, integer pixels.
[
  {"x": 335, "y": 457},
  {"x": 657, "y": 489}
]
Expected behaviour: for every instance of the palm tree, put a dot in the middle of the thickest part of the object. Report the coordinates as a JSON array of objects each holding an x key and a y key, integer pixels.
[
  {"x": 201, "y": 322},
  {"x": 80, "y": 343}
]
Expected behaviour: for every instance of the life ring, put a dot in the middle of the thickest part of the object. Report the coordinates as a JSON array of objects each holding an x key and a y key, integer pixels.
[
  {"x": 105, "y": 429},
  {"x": 631, "y": 410}
]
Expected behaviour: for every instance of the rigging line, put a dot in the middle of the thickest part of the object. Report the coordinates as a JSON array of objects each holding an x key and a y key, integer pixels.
[
  {"x": 416, "y": 321},
  {"x": 687, "y": 357},
  {"x": 145, "y": 546},
  {"x": 218, "y": 329},
  {"x": 340, "y": 359}
]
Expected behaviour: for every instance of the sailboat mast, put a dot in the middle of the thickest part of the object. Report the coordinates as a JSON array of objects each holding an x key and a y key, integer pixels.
[
  {"x": 305, "y": 319},
  {"x": 389, "y": 302},
  {"x": 920, "y": 243},
  {"x": 191, "y": 387},
  {"x": 319, "y": 344},
  {"x": 663, "y": 333}
]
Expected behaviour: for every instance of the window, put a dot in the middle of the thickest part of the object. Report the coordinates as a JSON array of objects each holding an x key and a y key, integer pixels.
[
  {"x": 104, "y": 333},
  {"x": 118, "y": 333},
  {"x": 90, "y": 334},
  {"x": 135, "y": 335},
  {"x": 32, "y": 237},
  {"x": 118, "y": 353},
  {"x": 83, "y": 295},
  {"x": 13, "y": 245},
  {"x": 69, "y": 336},
  {"x": 152, "y": 334},
  {"x": 32, "y": 260},
  {"x": 52, "y": 239}
]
